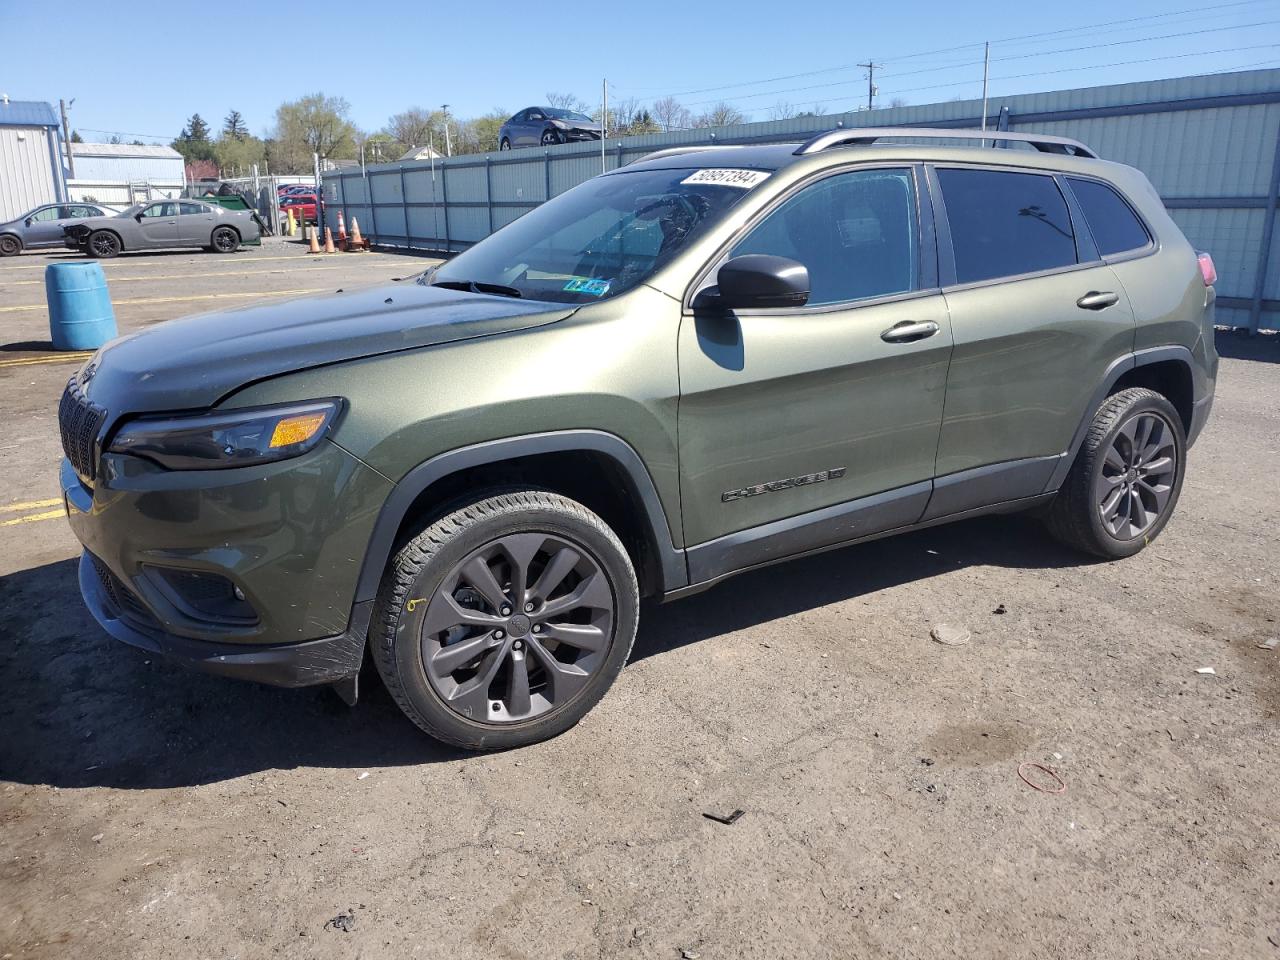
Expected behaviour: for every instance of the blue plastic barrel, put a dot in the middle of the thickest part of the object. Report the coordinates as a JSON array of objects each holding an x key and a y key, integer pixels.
[{"x": 80, "y": 314}]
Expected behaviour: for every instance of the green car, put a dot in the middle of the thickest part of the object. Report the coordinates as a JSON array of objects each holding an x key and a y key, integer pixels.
[{"x": 707, "y": 361}]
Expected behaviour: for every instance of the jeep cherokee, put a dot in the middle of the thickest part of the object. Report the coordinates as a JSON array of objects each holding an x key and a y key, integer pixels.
[{"x": 706, "y": 361}]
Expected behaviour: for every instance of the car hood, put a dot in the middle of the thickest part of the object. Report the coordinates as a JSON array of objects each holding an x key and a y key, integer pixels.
[{"x": 194, "y": 362}]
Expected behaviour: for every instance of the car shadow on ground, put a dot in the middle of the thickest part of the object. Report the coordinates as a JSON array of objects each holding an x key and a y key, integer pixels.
[
  {"x": 1238, "y": 345},
  {"x": 81, "y": 709}
]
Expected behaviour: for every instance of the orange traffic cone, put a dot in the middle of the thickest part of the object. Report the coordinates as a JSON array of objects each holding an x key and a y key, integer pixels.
[
  {"x": 342, "y": 230},
  {"x": 356, "y": 239},
  {"x": 328, "y": 241},
  {"x": 315, "y": 244}
]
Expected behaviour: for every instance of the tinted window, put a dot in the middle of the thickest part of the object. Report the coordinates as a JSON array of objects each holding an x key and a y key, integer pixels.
[
  {"x": 48, "y": 213},
  {"x": 161, "y": 210},
  {"x": 83, "y": 211},
  {"x": 193, "y": 208},
  {"x": 1004, "y": 224},
  {"x": 1115, "y": 226},
  {"x": 855, "y": 232}
]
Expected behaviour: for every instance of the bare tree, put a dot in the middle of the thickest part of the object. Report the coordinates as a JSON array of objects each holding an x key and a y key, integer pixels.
[
  {"x": 782, "y": 110},
  {"x": 671, "y": 115},
  {"x": 721, "y": 115},
  {"x": 568, "y": 101},
  {"x": 412, "y": 127},
  {"x": 898, "y": 102}
]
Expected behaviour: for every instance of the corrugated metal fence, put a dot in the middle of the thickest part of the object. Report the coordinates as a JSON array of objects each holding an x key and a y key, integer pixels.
[{"x": 1210, "y": 144}]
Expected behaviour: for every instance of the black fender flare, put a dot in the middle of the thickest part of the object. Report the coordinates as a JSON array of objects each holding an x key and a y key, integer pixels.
[
  {"x": 671, "y": 561},
  {"x": 1117, "y": 369}
]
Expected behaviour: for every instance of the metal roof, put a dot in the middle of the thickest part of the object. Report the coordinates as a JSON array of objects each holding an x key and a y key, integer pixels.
[
  {"x": 123, "y": 150},
  {"x": 26, "y": 113}
]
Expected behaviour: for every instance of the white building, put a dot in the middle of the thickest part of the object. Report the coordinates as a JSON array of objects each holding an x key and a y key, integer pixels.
[
  {"x": 124, "y": 173},
  {"x": 30, "y": 162}
]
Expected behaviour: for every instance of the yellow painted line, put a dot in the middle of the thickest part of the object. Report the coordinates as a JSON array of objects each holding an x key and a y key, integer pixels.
[
  {"x": 203, "y": 296},
  {"x": 30, "y": 505},
  {"x": 57, "y": 358},
  {"x": 51, "y": 515},
  {"x": 184, "y": 276}
]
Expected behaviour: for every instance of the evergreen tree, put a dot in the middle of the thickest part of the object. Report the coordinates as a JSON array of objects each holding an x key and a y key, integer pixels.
[{"x": 233, "y": 126}]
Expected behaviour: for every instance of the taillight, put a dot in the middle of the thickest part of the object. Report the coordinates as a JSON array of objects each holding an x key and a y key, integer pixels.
[{"x": 1207, "y": 269}]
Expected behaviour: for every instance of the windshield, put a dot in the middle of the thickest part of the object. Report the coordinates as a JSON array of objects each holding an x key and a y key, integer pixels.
[
  {"x": 556, "y": 113},
  {"x": 599, "y": 239}
]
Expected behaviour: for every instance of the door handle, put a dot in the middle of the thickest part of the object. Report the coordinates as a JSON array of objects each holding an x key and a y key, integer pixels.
[
  {"x": 907, "y": 331},
  {"x": 1098, "y": 300}
]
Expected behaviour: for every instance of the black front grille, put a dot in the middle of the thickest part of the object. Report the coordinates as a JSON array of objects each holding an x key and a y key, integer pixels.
[{"x": 79, "y": 421}]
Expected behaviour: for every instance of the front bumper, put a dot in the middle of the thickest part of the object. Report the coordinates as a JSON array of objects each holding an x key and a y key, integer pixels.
[
  {"x": 328, "y": 660},
  {"x": 289, "y": 536}
]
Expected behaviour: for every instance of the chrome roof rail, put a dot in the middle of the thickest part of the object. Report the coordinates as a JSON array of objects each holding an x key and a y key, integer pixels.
[{"x": 854, "y": 135}]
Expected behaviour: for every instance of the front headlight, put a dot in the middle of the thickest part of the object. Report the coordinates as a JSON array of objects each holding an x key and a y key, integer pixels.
[{"x": 237, "y": 438}]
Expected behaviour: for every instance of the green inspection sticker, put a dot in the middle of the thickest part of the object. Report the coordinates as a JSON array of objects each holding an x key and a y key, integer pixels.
[{"x": 596, "y": 288}]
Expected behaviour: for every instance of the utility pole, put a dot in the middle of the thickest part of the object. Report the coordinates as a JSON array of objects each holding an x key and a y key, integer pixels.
[
  {"x": 448, "y": 145},
  {"x": 66, "y": 138},
  {"x": 604, "y": 120},
  {"x": 986, "y": 65},
  {"x": 871, "y": 81}
]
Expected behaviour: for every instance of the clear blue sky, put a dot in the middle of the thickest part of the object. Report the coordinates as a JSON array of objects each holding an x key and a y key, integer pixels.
[{"x": 161, "y": 64}]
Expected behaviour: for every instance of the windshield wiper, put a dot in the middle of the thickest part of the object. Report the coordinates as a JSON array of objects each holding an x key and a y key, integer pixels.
[{"x": 479, "y": 286}]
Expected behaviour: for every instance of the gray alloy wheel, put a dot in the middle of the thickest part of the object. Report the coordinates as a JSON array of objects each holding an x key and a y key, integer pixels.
[
  {"x": 1135, "y": 483},
  {"x": 225, "y": 240},
  {"x": 517, "y": 628},
  {"x": 505, "y": 144},
  {"x": 505, "y": 619},
  {"x": 104, "y": 245},
  {"x": 550, "y": 138},
  {"x": 1124, "y": 483},
  {"x": 9, "y": 245}
]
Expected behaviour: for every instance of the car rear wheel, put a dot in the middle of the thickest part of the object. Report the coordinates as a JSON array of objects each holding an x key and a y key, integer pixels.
[
  {"x": 103, "y": 244},
  {"x": 9, "y": 245},
  {"x": 505, "y": 144},
  {"x": 550, "y": 138},
  {"x": 1126, "y": 479},
  {"x": 225, "y": 240},
  {"x": 504, "y": 621}
]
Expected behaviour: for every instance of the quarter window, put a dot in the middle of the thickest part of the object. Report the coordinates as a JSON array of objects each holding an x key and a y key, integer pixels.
[
  {"x": 1005, "y": 224},
  {"x": 1116, "y": 228},
  {"x": 856, "y": 233}
]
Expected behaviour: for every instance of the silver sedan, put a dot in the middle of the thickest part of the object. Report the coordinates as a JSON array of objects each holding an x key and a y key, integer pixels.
[
  {"x": 164, "y": 224},
  {"x": 42, "y": 227}
]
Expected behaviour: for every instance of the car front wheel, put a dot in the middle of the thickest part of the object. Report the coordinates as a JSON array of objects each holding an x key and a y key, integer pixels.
[
  {"x": 10, "y": 245},
  {"x": 550, "y": 138},
  {"x": 505, "y": 144},
  {"x": 505, "y": 620},
  {"x": 1126, "y": 478},
  {"x": 103, "y": 244}
]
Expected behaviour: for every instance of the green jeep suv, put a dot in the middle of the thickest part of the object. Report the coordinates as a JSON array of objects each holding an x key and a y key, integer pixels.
[{"x": 707, "y": 361}]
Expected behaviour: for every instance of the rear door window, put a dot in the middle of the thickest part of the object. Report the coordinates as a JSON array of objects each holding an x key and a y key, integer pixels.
[
  {"x": 194, "y": 209},
  {"x": 1116, "y": 228},
  {"x": 1005, "y": 224}
]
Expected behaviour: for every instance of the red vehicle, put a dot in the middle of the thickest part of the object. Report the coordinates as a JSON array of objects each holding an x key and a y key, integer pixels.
[{"x": 303, "y": 206}]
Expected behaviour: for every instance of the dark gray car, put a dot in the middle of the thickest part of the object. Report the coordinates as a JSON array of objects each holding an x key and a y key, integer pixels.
[
  {"x": 42, "y": 227},
  {"x": 546, "y": 126},
  {"x": 164, "y": 224}
]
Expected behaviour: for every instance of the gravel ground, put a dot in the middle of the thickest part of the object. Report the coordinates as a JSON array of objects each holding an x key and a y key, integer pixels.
[{"x": 150, "y": 812}]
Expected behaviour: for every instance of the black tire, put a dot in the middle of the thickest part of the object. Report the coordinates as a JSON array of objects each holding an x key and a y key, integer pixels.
[
  {"x": 10, "y": 246},
  {"x": 103, "y": 245},
  {"x": 1102, "y": 470},
  {"x": 224, "y": 240},
  {"x": 429, "y": 569},
  {"x": 550, "y": 138},
  {"x": 505, "y": 144}
]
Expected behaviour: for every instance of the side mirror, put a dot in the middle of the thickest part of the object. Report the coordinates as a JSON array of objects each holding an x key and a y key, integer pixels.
[
  {"x": 757, "y": 281},
  {"x": 138, "y": 216},
  {"x": 29, "y": 221}
]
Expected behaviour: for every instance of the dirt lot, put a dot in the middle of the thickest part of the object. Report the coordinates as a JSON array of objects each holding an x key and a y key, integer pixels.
[{"x": 153, "y": 813}]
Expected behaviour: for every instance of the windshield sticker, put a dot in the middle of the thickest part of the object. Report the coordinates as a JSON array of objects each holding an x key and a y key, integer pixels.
[
  {"x": 744, "y": 179},
  {"x": 596, "y": 288}
]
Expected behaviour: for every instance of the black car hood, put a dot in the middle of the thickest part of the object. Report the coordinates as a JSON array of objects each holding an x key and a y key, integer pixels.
[{"x": 194, "y": 362}]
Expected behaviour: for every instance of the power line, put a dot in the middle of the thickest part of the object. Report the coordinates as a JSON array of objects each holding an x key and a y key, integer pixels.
[
  {"x": 1200, "y": 12},
  {"x": 1021, "y": 56}
]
